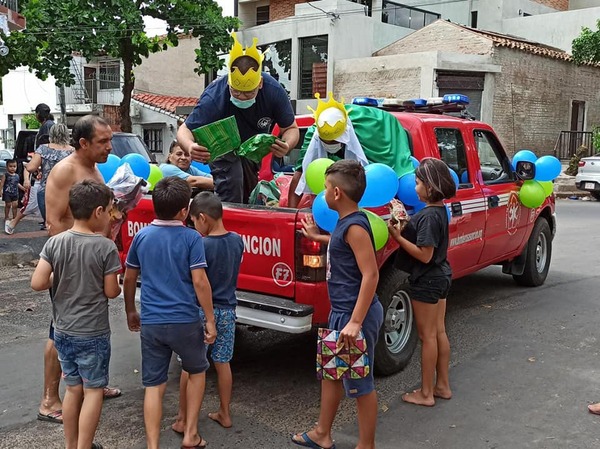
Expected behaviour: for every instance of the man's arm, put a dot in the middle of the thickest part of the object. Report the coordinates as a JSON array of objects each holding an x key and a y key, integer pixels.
[
  {"x": 288, "y": 140},
  {"x": 58, "y": 215},
  {"x": 362, "y": 247}
]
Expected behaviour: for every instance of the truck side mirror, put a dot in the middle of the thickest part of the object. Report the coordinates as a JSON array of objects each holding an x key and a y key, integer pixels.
[{"x": 525, "y": 170}]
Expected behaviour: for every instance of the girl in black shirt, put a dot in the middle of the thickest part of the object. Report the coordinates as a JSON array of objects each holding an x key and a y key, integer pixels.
[{"x": 423, "y": 253}]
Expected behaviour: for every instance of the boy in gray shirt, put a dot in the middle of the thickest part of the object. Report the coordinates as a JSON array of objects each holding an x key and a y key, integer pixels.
[{"x": 81, "y": 266}]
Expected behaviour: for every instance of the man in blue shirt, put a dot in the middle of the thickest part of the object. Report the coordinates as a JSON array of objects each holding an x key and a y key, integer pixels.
[{"x": 257, "y": 101}]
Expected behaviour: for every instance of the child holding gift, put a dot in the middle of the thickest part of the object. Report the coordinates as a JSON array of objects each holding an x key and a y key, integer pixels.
[{"x": 352, "y": 280}]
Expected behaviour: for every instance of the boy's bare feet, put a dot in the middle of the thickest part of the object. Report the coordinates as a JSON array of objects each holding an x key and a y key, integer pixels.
[
  {"x": 416, "y": 397},
  {"x": 178, "y": 426},
  {"x": 594, "y": 408},
  {"x": 223, "y": 421},
  {"x": 440, "y": 393}
]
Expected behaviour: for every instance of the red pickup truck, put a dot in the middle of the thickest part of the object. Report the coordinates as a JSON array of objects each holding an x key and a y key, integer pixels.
[{"x": 282, "y": 285}]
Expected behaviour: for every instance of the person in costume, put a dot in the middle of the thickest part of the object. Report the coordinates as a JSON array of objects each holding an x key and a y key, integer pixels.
[
  {"x": 362, "y": 133},
  {"x": 258, "y": 102}
]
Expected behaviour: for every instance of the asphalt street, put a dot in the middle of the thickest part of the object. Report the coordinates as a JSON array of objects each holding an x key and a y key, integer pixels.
[{"x": 524, "y": 366}]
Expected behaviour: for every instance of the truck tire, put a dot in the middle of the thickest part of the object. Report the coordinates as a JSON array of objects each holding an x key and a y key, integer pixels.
[
  {"x": 539, "y": 253},
  {"x": 398, "y": 335}
]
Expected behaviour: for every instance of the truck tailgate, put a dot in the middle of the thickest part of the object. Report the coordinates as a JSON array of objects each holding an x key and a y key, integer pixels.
[{"x": 269, "y": 238}]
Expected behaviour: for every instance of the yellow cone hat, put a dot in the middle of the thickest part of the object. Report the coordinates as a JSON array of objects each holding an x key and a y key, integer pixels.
[
  {"x": 251, "y": 79},
  {"x": 331, "y": 117}
]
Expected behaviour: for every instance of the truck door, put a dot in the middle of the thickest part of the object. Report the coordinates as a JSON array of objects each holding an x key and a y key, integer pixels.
[
  {"x": 269, "y": 237},
  {"x": 467, "y": 207},
  {"x": 506, "y": 221}
]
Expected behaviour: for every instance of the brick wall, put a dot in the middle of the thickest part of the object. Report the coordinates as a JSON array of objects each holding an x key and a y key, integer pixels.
[
  {"x": 532, "y": 99},
  {"x": 280, "y": 9},
  {"x": 442, "y": 36},
  {"x": 375, "y": 77},
  {"x": 112, "y": 115},
  {"x": 561, "y": 5}
]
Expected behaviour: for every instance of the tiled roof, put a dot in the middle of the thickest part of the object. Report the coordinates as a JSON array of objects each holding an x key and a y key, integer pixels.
[{"x": 166, "y": 104}]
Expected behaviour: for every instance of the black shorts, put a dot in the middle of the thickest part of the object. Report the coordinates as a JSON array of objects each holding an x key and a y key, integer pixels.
[
  {"x": 430, "y": 289},
  {"x": 8, "y": 198}
]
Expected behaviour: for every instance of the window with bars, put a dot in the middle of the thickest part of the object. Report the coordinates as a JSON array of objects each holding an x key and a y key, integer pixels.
[
  {"x": 262, "y": 15},
  {"x": 153, "y": 137},
  {"x": 110, "y": 77},
  {"x": 313, "y": 66}
]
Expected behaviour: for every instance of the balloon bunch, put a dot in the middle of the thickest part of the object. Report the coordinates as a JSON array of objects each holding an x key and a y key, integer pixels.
[
  {"x": 139, "y": 166},
  {"x": 382, "y": 185},
  {"x": 533, "y": 193}
]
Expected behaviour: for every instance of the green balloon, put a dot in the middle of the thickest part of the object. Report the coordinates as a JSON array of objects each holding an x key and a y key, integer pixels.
[
  {"x": 154, "y": 176},
  {"x": 378, "y": 228},
  {"x": 532, "y": 194},
  {"x": 548, "y": 187},
  {"x": 315, "y": 174}
]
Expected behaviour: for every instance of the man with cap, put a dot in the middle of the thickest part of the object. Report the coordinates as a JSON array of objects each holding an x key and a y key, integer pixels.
[{"x": 258, "y": 102}]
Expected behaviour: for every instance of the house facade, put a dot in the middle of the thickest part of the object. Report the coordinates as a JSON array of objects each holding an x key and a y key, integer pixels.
[{"x": 532, "y": 94}]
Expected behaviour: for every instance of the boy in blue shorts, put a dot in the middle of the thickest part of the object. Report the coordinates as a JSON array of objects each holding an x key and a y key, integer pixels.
[
  {"x": 223, "y": 254},
  {"x": 81, "y": 266},
  {"x": 171, "y": 259},
  {"x": 351, "y": 280}
]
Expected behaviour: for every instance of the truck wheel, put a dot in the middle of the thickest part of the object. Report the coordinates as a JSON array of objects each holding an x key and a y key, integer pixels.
[
  {"x": 596, "y": 195},
  {"x": 398, "y": 335},
  {"x": 539, "y": 253}
]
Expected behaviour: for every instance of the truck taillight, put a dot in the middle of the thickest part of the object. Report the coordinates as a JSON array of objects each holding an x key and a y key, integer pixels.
[
  {"x": 311, "y": 259},
  {"x": 581, "y": 163}
]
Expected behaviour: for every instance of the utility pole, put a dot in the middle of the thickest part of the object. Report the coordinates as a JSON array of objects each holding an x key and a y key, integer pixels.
[{"x": 63, "y": 106}]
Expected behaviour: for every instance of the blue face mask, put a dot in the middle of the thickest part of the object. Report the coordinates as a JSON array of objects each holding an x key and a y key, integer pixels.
[{"x": 242, "y": 104}]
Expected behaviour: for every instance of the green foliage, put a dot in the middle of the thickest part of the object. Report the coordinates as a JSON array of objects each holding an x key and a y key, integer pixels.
[
  {"x": 58, "y": 28},
  {"x": 586, "y": 46},
  {"x": 30, "y": 121},
  {"x": 596, "y": 139}
]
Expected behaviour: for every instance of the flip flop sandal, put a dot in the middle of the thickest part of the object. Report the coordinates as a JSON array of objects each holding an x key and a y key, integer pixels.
[
  {"x": 197, "y": 446},
  {"x": 97, "y": 446},
  {"x": 53, "y": 417},
  {"x": 111, "y": 393},
  {"x": 307, "y": 442}
]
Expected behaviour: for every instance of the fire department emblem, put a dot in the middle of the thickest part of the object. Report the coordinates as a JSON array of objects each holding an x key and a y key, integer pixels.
[{"x": 513, "y": 213}]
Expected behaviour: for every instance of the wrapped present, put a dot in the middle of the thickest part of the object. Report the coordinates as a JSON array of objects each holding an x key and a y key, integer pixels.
[
  {"x": 128, "y": 190},
  {"x": 398, "y": 215},
  {"x": 336, "y": 362},
  {"x": 219, "y": 138},
  {"x": 257, "y": 147}
]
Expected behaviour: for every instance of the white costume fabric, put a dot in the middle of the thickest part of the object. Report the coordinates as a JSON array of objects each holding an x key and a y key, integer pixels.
[{"x": 353, "y": 151}]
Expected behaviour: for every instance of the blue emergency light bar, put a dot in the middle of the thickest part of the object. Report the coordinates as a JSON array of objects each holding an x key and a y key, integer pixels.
[
  {"x": 455, "y": 99},
  {"x": 365, "y": 101},
  {"x": 439, "y": 105}
]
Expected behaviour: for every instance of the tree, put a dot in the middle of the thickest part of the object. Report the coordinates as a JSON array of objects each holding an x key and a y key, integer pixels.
[
  {"x": 58, "y": 28},
  {"x": 586, "y": 46}
]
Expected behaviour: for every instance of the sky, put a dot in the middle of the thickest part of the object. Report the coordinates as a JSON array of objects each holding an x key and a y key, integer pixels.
[{"x": 156, "y": 26}]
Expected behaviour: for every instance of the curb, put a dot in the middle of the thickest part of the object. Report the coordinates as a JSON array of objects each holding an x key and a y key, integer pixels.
[{"x": 18, "y": 256}]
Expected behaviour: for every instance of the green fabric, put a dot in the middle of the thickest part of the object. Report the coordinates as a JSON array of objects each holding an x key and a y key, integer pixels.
[
  {"x": 381, "y": 136},
  {"x": 219, "y": 138},
  {"x": 266, "y": 193},
  {"x": 257, "y": 147}
]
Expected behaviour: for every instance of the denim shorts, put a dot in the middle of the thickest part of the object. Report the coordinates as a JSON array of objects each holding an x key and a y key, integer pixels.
[
  {"x": 430, "y": 289},
  {"x": 159, "y": 341},
  {"x": 83, "y": 360},
  {"x": 221, "y": 351},
  {"x": 370, "y": 327}
]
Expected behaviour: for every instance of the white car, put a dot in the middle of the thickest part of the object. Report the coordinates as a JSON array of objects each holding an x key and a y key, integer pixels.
[
  {"x": 4, "y": 156},
  {"x": 588, "y": 175}
]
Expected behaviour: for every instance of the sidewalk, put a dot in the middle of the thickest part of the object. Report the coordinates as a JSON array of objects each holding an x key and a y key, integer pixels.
[{"x": 25, "y": 244}]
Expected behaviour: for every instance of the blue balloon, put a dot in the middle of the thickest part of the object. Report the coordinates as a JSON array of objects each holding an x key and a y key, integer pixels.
[
  {"x": 454, "y": 176},
  {"x": 200, "y": 166},
  {"x": 324, "y": 217},
  {"x": 107, "y": 169},
  {"x": 547, "y": 168},
  {"x": 523, "y": 155},
  {"x": 415, "y": 162},
  {"x": 464, "y": 178},
  {"x": 449, "y": 212},
  {"x": 406, "y": 190},
  {"x": 382, "y": 185},
  {"x": 139, "y": 165}
]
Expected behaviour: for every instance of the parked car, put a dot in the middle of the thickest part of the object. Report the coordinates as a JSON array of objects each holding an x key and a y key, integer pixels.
[
  {"x": 588, "y": 175},
  {"x": 4, "y": 156},
  {"x": 127, "y": 143},
  {"x": 282, "y": 280}
]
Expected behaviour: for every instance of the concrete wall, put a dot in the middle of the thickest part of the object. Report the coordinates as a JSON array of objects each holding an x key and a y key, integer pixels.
[
  {"x": 557, "y": 29},
  {"x": 533, "y": 95},
  {"x": 171, "y": 72},
  {"x": 580, "y": 4},
  {"x": 492, "y": 13},
  {"x": 155, "y": 119},
  {"x": 247, "y": 12}
]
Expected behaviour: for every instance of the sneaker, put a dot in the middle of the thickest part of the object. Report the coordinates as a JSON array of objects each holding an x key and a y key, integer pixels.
[{"x": 8, "y": 228}]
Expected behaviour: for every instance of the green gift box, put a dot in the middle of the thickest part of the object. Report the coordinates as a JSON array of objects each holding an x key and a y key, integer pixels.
[
  {"x": 257, "y": 147},
  {"x": 219, "y": 138}
]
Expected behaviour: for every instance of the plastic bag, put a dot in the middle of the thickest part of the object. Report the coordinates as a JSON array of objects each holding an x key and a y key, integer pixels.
[
  {"x": 257, "y": 147},
  {"x": 128, "y": 190},
  {"x": 266, "y": 193}
]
